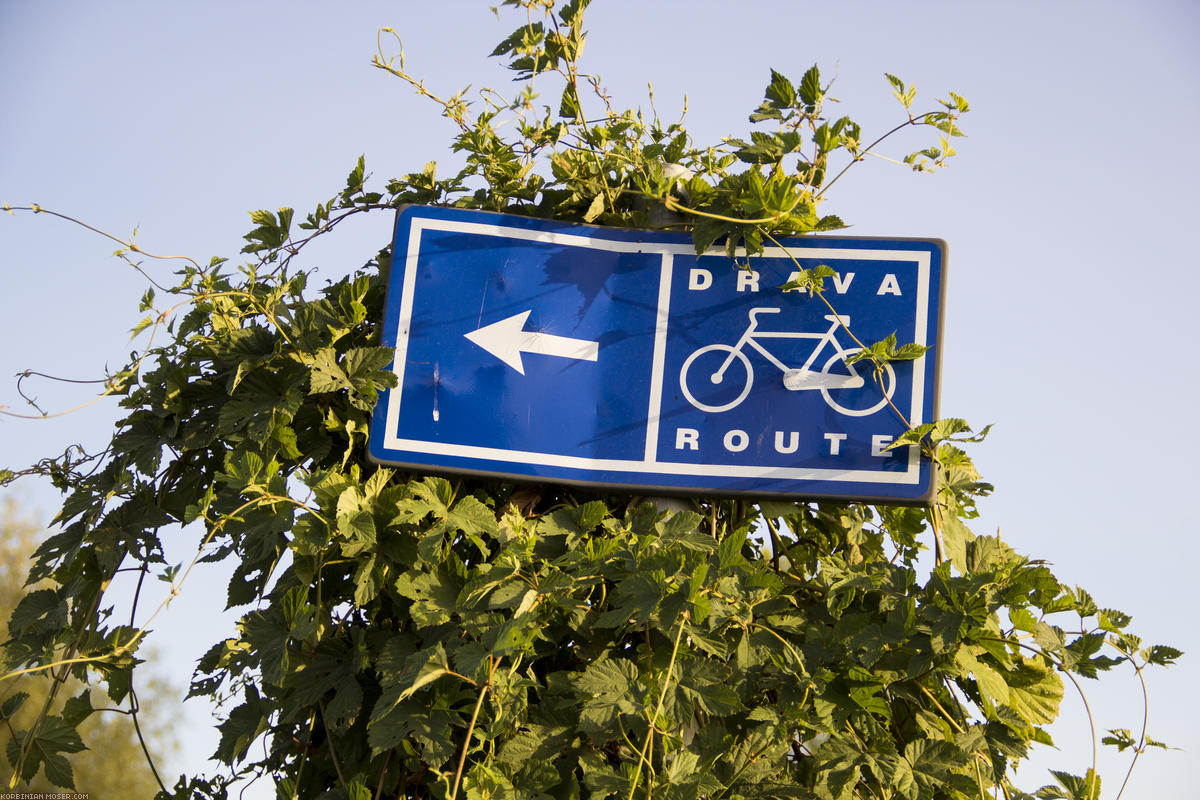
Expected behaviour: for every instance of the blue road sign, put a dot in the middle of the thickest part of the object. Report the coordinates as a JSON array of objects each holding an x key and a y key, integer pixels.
[{"x": 579, "y": 354}]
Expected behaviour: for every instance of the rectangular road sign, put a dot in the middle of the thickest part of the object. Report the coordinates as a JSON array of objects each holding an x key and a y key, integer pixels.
[{"x": 568, "y": 353}]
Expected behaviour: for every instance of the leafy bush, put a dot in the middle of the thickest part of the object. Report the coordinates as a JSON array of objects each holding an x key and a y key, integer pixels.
[{"x": 409, "y": 635}]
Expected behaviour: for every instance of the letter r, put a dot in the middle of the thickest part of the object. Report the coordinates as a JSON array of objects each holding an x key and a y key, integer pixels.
[{"x": 687, "y": 439}]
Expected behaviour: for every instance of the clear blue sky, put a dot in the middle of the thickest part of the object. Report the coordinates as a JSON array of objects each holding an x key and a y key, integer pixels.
[{"x": 1069, "y": 215}]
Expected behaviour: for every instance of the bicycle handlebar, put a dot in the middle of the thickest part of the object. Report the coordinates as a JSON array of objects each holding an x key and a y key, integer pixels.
[{"x": 762, "y": 310}]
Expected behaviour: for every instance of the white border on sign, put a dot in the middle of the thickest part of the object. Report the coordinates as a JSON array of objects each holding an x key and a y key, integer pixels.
[{"x": 649, "y": 462}]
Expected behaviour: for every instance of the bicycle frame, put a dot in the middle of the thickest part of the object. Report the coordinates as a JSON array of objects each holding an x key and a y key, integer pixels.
[
  {"x": 752, "y": 335},
  {"x": 806, "y": 377}
]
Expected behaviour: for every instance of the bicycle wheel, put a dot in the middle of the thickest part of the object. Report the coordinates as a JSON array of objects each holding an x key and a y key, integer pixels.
[
  {"x": 864, "y": 400},
  {"x": 707, "y": 392}
]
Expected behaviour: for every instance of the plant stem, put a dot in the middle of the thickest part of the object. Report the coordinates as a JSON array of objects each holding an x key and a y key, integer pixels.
[
  {"x": 776, "y": 543},
  {"x": 128, "y": 245},
  {"x": 383, "y": 774},
  {"x": 1082, "y": 696},
  {"x": 134, "y": 706},
  {"x": 821, "y": 296},
  {"x": 462, "y": 757},
  {"x": 1145, "y": 720},
  {"x": 935, "y": 524},
  {"x": 940, "y": 708},
  {"x": 859, "y": 156},
  {"x": 337, "y": 767},
  {"x": 637, "y": 774},
  {"x": 749, "y": 763}
]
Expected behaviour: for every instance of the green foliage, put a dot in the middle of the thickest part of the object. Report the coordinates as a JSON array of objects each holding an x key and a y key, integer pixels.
[
  {"x": 408, "y": 635},
  {"x": 113, "y": 761}
]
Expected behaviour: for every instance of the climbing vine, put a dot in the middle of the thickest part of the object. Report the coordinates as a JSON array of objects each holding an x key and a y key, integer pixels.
[{"x": 409, "y": 635}]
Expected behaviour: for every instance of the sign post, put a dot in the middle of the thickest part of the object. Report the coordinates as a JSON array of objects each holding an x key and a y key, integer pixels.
[{"x": 550, "y": 351}]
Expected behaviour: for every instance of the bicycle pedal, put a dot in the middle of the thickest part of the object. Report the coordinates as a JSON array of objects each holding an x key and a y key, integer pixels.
[{"x": 795, "y": 379}]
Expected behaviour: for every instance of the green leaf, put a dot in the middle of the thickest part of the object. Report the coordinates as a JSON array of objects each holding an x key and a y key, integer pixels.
[
  {"x": 1072, "y": 787},
  {"x": 607, "y": 676},
  {"x": 895, "y": 772},
  {"x": 420, "y": 669},
  {"x": 679, "y": 524},
  {"x": 932, "y": 760},
  {"x": 1050, "y": 638},
  {"x": 729, "y": 552},
  {"x": 327, "y": 374},
  {"x": 990, "y": 682},
  {"x": 363, "y": 365},
  {"x": 537, "y": 742},
  {"x": 76, "y": 709},
  {"x": 595, "y": 208},
  {"x": 434, "y": 596},
  {"x": 358, "y": 528},
  {"x": 271, "y": 232},
  {"x": 58, "y": 771},
  {"x": 354, "y": 181},
  {"x": 471, "y": 516},
  {"x": 607, "y": 685},
  {"x": 1035, "y": 692},
  {"x": 809, "y": 280},
  {"x": 810, "y": 89},
  {"x": 776, "y": 508},
  {"x": 261, "y": 401},
  {"x": 1120, "y": 738},
  {"x": 905, "y": 94},
  {"x": 946, "y": 631},
  {"x": 568, "y": 106},
  {"x": 635, "y": 600},
  {"x": 40, "y": 611},
  {"x": 1023, "y": 619},
  {"x": 245, "y": 470},
  {"x": 1113, "y": 621},
  {"x": 268, "y": 634},
  {"x": 780, "y": 91},
  {"x": 434, "y": 495},
  {"x": 343, "y": 709},
  {"x": 56, "y": 735},
  {"x": 1162, "y": 655},
  {"x": 909, "y": 352},
  {"x": 146, "y": 322},
  {"x": 830, "y": 222},
  {"x": 12, "y": 704},
  {"x": 863, "y": 688}
]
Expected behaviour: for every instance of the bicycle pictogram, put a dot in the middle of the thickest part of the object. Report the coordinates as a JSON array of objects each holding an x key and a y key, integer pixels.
[{"x": 709, "y": 367}]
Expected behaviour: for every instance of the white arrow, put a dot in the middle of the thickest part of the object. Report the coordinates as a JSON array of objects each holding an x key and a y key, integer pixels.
[{"x": 507, "y": 339}]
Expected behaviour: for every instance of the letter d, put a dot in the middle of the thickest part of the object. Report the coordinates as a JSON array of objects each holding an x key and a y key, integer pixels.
[{"x": 699, "y": 279}]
